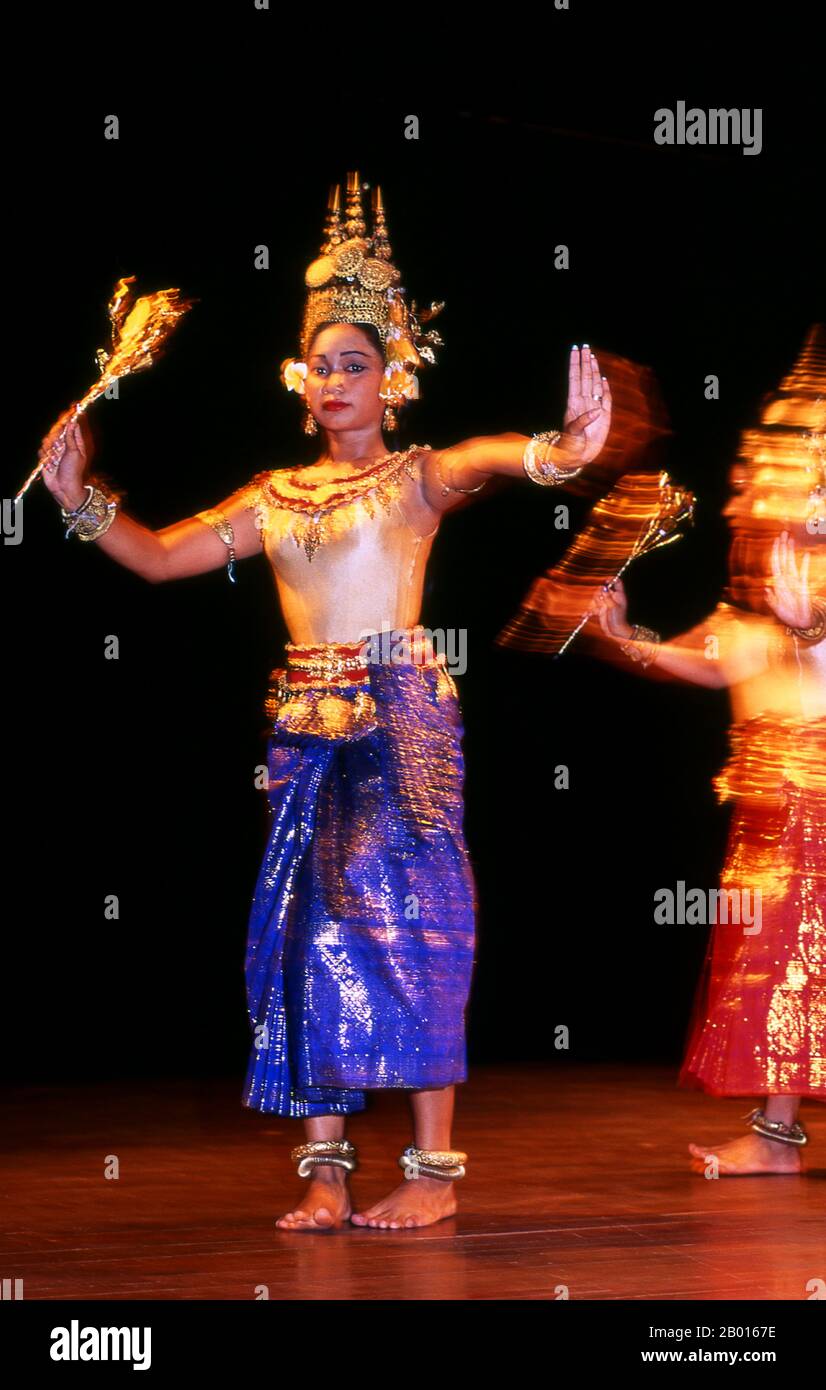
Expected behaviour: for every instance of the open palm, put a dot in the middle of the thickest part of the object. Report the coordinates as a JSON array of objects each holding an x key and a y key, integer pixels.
[
  {"x": 587, "y": 392},
  {"x": 788, "y": 593}
]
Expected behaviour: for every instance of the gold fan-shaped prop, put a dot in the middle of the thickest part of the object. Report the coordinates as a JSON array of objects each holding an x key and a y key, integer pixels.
[{"x": 139, "y": 332}]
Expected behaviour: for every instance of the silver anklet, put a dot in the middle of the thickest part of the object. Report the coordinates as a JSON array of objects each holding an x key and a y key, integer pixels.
[
  {"x": 323, "y": 1152},
  {"x": 775, "y": 1129},
  {"x": 445, "y": 1164}
]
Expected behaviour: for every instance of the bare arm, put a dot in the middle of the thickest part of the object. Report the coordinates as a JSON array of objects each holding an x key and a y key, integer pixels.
[
  {"x": 183, "y": 549},
  {"x": 466, "y": 467},
  {"x": 192, "y": 547},
  {"x": 178, "y": 551},
  {"x": 450, "y": 474},
  {"x": 720, "y": 652}
]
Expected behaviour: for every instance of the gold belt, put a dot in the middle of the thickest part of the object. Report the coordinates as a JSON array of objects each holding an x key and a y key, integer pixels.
[{"x": 324, "y": 687}]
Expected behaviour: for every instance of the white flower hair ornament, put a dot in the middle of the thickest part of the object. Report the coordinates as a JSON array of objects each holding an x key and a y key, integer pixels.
[{"x": 293, "y": 375}]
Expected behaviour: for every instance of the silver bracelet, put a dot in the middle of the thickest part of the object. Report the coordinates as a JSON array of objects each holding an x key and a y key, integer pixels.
[
  {"x": 82, "y": 506},
  {"x": 546, "y": 473},
  {"x": 642, "y": 645},
  {"x": 94, "y": 516}
]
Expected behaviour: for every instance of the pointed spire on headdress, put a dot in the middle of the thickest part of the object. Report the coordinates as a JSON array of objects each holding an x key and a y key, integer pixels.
[
  {"x": 333, "y": 231},
  {"x": 381, "y": 245},
  {"x": 808, "y": 375},
  {"x": 801, "y": 395},
  {"x": 354, "y": 225}
]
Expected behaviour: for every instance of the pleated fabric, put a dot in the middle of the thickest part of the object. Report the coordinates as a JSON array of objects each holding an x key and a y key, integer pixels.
[
  {"x": 758, "y": 1024},
  {"x": 361, "y": 937}
]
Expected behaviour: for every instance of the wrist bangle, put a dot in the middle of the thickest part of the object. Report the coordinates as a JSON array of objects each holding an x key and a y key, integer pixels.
[
  {"x": 543, "y": 470},
  {"x": 642, "y": 645},
  {"x": 816, "y": 632},
  {"x": 81, "y": 506},
  {"x": 94, "y": 516}
]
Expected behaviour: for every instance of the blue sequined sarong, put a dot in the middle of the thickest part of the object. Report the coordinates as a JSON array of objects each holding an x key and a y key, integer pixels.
[{"x": 361, "y": 935}]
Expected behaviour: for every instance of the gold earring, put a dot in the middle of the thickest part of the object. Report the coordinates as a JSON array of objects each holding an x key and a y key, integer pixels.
[
  {"x": 310, "y": 426},
  {"x": 389, "y": 421}
]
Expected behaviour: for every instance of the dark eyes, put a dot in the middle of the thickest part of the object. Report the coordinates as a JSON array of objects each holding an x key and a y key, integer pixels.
[{"x": 358, "y": 366}]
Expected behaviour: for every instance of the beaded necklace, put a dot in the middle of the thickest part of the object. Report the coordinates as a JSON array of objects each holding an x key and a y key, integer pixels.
[{"x": 318, "y": 518}]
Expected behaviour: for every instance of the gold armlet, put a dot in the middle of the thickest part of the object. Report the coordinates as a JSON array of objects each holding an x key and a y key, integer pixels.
[{"x": 223, "y": 528}]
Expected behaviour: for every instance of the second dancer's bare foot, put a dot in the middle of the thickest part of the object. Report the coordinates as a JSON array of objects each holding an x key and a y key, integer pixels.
[
  {"x": 325, "y": 1205},
  {"x": 751, "y": 1154},
  {"x": 415, "y": 1202}
]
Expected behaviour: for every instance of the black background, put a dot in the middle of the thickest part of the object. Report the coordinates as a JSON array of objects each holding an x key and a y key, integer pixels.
[{"x": 135, "y": 776}]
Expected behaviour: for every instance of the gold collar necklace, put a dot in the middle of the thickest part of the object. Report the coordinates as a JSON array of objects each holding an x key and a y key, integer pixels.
[{"x": 320, "y": 517}]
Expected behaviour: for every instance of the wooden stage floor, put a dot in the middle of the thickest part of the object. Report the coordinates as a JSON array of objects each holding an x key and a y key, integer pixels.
[{"x": 578, "y": 1180}]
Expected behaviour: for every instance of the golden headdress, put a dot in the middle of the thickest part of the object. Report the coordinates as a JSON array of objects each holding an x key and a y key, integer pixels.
[
  {"x": 779, "y": 478},
  {"x": 354, "y": 281},
  {"x": 780, "y": 472}
]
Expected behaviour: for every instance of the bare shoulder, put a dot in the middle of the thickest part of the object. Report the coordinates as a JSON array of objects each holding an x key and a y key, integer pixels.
[
  {"x": 419, "y": 509},
  {"x": 428, "y": 463}
]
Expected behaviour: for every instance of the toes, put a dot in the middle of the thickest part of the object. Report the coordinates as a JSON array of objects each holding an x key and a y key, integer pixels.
[
  {"x": 293, "y": 1216},
  {"x": 411, "y": 1221},
  {"x": 373, "y": 1215},
  {"x": 699, "y": 1152}
]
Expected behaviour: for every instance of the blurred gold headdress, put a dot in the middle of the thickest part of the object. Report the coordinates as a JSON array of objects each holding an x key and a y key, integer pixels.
[
  {"x": 354, "y": 281},
  {"x": 780, "y": 471}
]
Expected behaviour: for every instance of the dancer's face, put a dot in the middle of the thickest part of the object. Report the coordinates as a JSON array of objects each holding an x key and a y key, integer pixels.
[{"x": 344, "y": 366}]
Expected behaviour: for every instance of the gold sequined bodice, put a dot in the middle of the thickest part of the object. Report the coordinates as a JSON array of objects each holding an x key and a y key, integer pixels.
[{"x": 346, "y": 555}]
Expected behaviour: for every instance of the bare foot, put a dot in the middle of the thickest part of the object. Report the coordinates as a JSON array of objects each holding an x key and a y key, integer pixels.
[
  {"x": 325, "y": 1206},
  {"x": 751, "y": 1154},
  {"x": 415, "y": 1202}
]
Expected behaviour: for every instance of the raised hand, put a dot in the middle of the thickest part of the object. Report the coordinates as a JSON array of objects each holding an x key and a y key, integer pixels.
[
  {"x": 788, "y": 592},
  {"x": 587, "y": 417}
]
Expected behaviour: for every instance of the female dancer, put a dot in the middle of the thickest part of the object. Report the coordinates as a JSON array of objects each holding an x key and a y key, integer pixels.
[
  {"x": 361, "y": 934},
  {"x": 759, "y": 1020}
]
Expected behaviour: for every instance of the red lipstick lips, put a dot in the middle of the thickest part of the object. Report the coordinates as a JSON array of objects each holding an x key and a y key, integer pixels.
[{"x": 336, "y": 405}]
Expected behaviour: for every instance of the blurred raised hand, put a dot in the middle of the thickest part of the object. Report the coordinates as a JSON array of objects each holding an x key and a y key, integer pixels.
[{"x": 787, "y": 593}]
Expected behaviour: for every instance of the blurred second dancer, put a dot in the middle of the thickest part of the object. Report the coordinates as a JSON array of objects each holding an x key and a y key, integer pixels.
[{"x": 759, "y": 1021}]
